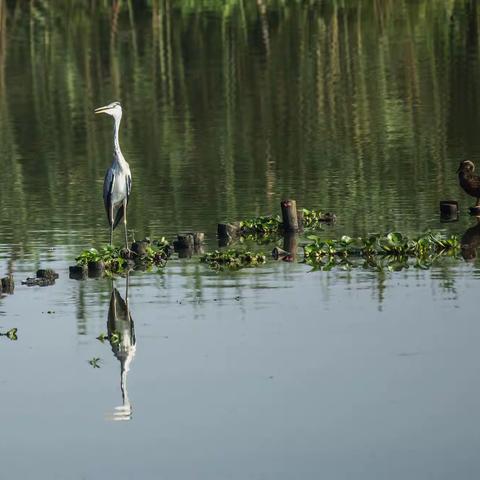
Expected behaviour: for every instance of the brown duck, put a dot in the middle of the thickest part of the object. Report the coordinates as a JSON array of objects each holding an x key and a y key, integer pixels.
[{"x": 468, "y": 180}]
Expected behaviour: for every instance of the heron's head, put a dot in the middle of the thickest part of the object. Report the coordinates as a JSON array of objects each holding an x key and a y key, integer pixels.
[
  {"x": 114, "y": 109},
  {"x": 466, "y": 167}
]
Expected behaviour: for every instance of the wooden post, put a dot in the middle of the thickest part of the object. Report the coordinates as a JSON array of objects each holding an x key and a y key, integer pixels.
[
  {"x": 184, "y": 241},
  {"x": 77, "y": 272},
  {"x": 228, "y": 230},
  {"x": 289, "y": 215},
  {"x": 7, "y": 284},
  {"x": 290, "y": 244}
]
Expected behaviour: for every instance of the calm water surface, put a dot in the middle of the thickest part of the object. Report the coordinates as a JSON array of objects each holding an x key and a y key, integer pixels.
[{"x": 360, "y": 108}]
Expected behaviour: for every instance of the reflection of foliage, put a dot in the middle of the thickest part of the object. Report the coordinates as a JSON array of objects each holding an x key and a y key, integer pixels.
[
  {"x": 233, "y": 259},
  {"x": 391, "y": 251}
]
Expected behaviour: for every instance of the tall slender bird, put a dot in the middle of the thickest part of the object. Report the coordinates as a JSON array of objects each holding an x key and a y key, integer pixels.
[
  {"x": 469, "y": 181},
  {"x": 118, "y": 179}
]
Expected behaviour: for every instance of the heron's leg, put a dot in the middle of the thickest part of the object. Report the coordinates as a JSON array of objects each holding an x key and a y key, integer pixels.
[
  {"x": 125, "y": 222},
  {"x": 111, "y": 225}
]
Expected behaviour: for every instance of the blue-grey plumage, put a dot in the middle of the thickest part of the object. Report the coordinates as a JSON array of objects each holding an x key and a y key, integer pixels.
[{"x": 117, "y": 184}]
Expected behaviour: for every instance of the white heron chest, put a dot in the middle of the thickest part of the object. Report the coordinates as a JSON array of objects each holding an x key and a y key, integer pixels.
[{"x": 119, "y": 187}]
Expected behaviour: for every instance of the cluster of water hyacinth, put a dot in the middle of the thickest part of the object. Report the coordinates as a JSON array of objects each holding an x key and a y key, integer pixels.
[
  {"x": 116, "y": 259},
  {"x": 391, "y": 251},
  {"x": 233, "y": 259},
  {"x": 271, "y": 225}
]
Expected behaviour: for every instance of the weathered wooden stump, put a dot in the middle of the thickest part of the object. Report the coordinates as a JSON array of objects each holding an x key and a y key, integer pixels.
[
  {"x": 78, "y": 272},
  {"x": 8, "y": 284},
  {"x": 448, "y": 211},
  {"x": 96, "y": 268},
  {"x": 184, "y": 241},
  {"x": 140, "y": 248},
  {"x": 185, "y": 252},
  {"x": 289, "y": 215},
  {"x": 475, "y": 211},
  {"x": 290, "y": 244},
  {"x": 228, "y": 230},
  {"x": 47, "y": 273}
]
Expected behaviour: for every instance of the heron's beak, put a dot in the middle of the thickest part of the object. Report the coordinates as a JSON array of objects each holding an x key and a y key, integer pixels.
[
  {"x": 459, "y": 168},
  {"x": 101, "y": 110}
]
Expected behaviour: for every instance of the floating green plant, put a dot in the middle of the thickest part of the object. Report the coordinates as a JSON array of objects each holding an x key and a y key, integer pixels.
[
  {"x": 393, "y": 251},
  {"x": 313, "y": 219},
  {"x": 263, "y": 227},
  {"x": 233, "y": 259},
  {"x": 11, "y": 334},
  {"x": 116, "y": 259},
  {"x": 95, "y": 362},
  {"x": 260, "y": 226}
]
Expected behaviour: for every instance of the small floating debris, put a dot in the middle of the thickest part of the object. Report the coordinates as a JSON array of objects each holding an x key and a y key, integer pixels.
[
  {"x": 113, "y": 338},
  {"x": 233, "y": 259},
  {"x": 44, "y": 278},
  {"x": 11, "y": 334},
  {"x": 390, "y": 251}
]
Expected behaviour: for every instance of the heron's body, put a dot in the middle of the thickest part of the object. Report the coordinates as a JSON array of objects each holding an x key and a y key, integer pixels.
[
  {"x": 469, "y": 181},
  {"x": 117, "y": 184},
  {"x": 116, "y": 190}
]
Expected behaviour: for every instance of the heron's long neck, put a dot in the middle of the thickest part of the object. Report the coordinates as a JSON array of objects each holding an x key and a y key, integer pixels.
[{"x": 116, "y": 143}]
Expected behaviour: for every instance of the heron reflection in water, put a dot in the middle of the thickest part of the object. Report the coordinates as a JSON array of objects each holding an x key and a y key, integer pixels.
[{"x": 121, "y": 335}]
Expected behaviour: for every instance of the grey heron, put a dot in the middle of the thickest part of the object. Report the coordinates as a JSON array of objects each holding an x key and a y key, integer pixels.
[{"x": 118, "y": 179}]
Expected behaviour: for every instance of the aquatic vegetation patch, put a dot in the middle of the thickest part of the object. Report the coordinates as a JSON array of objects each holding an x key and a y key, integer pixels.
[
  {"x": 393, "y": 251},
  {"x": 233, "y": 259},
  {"x": 260, "y": 226},
  {"x": 116, "y": 259},
  {"x": 314, "y": 219},
  {"x": 264, "y": 227}
]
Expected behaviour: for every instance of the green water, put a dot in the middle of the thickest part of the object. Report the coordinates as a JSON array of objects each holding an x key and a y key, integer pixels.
[{"x": 356, "y": 107}]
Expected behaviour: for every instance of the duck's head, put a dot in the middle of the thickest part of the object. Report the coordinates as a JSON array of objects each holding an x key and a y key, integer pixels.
[{"x": 466, "y": 166}]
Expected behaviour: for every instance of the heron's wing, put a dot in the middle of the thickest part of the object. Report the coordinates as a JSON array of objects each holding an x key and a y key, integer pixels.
[{"x": 107, "y": 187}]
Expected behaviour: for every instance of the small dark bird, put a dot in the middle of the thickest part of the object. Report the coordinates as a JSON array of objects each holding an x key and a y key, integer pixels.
[{"x": 468, "y": 180}]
